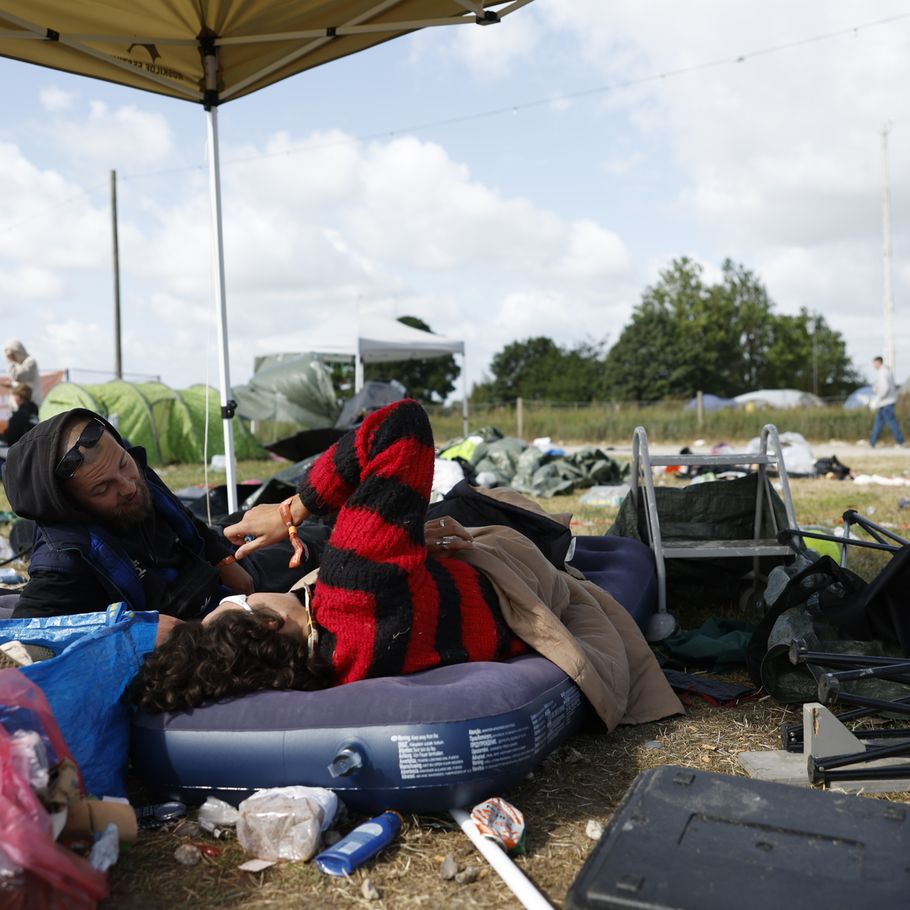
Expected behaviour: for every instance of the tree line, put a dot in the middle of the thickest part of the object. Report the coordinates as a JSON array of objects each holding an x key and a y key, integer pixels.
[{"x": 685, "y": 335}]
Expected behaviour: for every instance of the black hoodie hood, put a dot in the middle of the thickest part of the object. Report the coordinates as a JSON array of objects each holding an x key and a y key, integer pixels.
[{"x": 31, "y": 486}]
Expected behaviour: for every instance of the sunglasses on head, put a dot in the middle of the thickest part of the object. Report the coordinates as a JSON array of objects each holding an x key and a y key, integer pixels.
[{"x": 88, "y": 439}]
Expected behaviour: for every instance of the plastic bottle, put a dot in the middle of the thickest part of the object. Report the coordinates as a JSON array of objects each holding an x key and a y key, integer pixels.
[
  {"x": 362, "y": 844},
  {"x": 11, "y": 577}
]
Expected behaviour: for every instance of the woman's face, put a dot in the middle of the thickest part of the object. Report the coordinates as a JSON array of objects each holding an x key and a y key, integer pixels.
[{"x": 287, "y": 606}]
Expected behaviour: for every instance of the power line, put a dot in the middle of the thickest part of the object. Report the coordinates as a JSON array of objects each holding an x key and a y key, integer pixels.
[
  {"x": 551, "y": 99},
  {"x": 498, "y": 111}
]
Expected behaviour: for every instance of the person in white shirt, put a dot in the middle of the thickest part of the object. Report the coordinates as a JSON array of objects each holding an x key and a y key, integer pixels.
[
  {"x": 883, "y": 402},
  {"x": 22, "y": 367}
]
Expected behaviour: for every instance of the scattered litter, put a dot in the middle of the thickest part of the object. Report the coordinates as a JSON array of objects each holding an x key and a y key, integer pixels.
[
  {"x": 211, "y": 828},
  {"x": 188, "y": 855},
  {"x": 903, "y": 504},
  {"x": 106, "y": 849},
  {"x": 605, "y": 495},
  {"x": 157, "y": 816},
  {"x": 594, "y": 829},
  {"x": 256, "y": 865},
  {"x": 653, "y": 744},
  {"x": 500, "y": 822},
  {"x": 468, "y": 876},
  {"x": 881, "y": 480},
  {"x": 369, "y": 891},
  {"x": 360, "y": 845},
  {"x": 11, "y": 577},
  {"x": 218, "y": 812},
  {"x": 448, "y": 869},
  {"x": 285, "y": 822}
]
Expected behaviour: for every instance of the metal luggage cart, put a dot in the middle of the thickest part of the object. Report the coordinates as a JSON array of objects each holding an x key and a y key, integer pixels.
[{"x": 663, "y": 623}]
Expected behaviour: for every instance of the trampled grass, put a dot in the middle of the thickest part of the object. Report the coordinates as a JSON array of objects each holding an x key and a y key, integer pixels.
[{"x": 581, "y": 782}]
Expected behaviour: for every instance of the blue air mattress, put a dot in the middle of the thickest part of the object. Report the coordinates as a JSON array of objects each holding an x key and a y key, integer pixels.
[{"x": 426, "y": 742}]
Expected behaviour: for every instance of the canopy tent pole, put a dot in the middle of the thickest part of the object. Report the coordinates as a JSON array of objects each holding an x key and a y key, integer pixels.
[
  {"x": 464, "y": 391},
  {"x": 218, "y": 283}
]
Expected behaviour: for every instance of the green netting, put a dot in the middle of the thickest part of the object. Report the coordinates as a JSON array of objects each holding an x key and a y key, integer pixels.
[{"x": 170, "y": 425}]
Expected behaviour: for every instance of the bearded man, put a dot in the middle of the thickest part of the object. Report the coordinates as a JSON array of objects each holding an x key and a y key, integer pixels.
[{"x": 108, "y": 529}]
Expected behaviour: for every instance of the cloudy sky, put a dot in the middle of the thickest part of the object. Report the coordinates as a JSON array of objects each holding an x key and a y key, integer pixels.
[{"x": 525, "y": 179}]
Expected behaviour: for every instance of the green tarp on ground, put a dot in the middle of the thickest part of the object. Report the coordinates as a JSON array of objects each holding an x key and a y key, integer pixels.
[{"x": 169, "y": 424}]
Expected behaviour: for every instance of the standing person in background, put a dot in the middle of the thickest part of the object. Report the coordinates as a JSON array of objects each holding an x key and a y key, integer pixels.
[
  {"x": 22, "y": 367},
  {"x": 883, "y": 402}
]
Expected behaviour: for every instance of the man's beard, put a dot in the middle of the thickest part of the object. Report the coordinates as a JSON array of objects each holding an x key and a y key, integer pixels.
[{"x": 125, "y": 519}]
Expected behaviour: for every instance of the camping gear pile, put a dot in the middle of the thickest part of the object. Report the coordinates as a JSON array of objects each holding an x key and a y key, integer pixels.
[{"x": 536, "y": 468}]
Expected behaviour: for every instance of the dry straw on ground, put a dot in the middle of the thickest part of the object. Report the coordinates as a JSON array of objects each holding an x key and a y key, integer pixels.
[{"x": 583, "y": 782}]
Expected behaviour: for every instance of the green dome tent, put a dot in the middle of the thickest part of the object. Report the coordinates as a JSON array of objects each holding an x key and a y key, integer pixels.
[{"x": 169, "y": 424}]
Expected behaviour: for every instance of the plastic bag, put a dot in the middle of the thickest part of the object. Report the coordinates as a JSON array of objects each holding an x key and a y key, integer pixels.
[
  {"x": 54, "y": 876},
  {"x": 98, "y": 654},
  {"x": 285, "y": 822}
]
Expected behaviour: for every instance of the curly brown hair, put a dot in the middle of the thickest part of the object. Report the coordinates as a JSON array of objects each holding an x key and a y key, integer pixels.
[{"x": 235, "y": 654}]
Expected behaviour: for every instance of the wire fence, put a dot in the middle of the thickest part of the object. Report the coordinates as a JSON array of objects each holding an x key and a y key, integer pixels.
[{"x": 614, "y": 422}]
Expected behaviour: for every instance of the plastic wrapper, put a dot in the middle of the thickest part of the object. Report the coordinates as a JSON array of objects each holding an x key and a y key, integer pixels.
[
  {"x": 218, "y": 812},
  {"x": 285, "y": 822},
  {"x": 30, "y": 758},
  {"x": 54, "y": 877},
  {"x": 500, "y": 821}
]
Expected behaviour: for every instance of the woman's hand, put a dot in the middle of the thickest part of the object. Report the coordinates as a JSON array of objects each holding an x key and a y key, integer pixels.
[
  {"x": 261, "y": 526},
  {"x": 445, "y": 536}
]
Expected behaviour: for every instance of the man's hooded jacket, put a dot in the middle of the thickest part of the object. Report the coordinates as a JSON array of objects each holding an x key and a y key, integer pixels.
[{"x": 79, "y": 566}]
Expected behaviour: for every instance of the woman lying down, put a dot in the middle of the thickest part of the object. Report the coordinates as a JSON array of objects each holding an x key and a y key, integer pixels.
[{"x": 396, "y": 595}]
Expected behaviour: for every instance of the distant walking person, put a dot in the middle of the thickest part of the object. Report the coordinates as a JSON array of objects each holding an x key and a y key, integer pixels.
[
  {"x": 22, "y": 367},
  {"x": 883, "y": 402}
]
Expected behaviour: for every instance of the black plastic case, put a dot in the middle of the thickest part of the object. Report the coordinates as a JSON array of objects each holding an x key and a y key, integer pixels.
[{"x": 694, "y": 840}]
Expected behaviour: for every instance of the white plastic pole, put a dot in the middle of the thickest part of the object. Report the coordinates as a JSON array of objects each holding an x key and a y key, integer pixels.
[
  {"x": 887, "y": 254},
  {"x": 221, "y": 303},
  {"x": 518, "y": 884}
]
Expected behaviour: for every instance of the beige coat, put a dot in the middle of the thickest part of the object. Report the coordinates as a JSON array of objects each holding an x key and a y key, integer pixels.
[{"x": 573, "y": 623}]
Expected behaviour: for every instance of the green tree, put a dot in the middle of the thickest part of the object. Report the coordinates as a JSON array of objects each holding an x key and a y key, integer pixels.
[
  {"x": 539, "y": 368},
  {"x": 430, "y": 381},
  {"x": 805, "y": 353},
  {"x": 724, "y": 338}
]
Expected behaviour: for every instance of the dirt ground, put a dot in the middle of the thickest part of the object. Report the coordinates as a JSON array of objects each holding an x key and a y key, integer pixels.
[{"x": 565, "y": 801}]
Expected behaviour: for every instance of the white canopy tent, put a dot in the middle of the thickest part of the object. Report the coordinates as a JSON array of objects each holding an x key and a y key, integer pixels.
[
  {"x": 378, "y": 339},
  {"x": 212, "y": 51}
]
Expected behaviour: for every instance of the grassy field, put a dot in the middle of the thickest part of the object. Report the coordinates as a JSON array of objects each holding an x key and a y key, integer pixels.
[{"x": 581, "y": 783}]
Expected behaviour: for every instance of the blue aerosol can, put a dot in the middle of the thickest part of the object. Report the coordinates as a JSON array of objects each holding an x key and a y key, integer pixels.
[{"x": 360, "y": 845}]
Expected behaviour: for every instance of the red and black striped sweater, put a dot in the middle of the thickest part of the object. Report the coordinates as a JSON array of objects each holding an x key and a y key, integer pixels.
[{"x": 384, "y": 605}]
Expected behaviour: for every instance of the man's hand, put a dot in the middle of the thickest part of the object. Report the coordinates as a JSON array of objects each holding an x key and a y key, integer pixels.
[
  {"x": 235, "y": 577},
  {"x": 445, "y": 536}
]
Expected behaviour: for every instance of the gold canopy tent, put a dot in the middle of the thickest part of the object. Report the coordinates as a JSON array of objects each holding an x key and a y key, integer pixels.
[{"x": 210, "y": 52}]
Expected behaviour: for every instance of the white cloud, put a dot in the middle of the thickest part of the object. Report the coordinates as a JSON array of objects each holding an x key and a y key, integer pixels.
[
  {"x": 54, "y": 99},
  {"x": 127, "y": 136}
]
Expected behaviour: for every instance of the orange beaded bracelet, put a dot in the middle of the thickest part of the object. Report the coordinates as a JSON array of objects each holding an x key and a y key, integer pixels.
[{"x": 300, "y": 548}]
